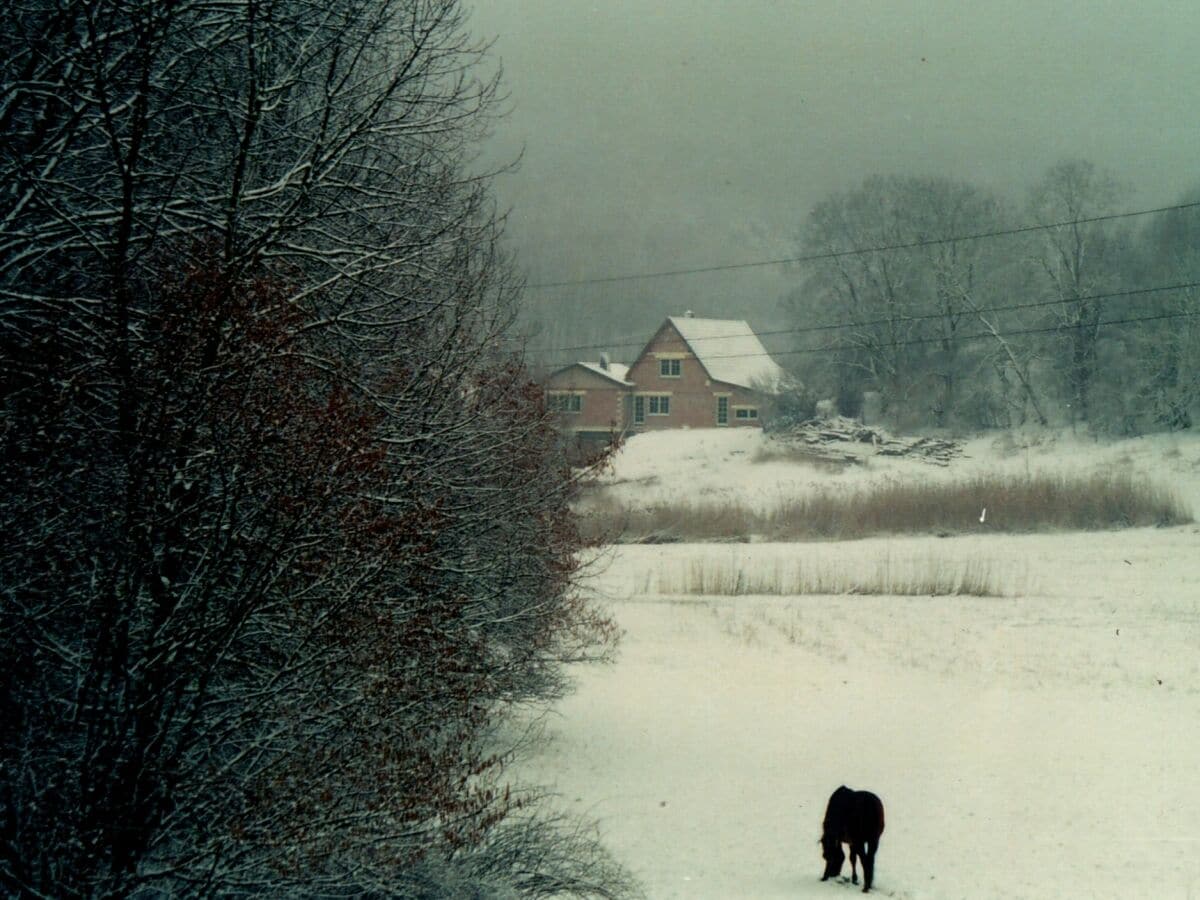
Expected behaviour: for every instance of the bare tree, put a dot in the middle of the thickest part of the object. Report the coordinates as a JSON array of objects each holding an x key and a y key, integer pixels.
[
  {"x": 870, "y": 288},
  {"x": 942, "y": 213},
  {"x": 286, "y": 532},
  {"x": 1078, "y": 260},
  {"x": 1010, "y": 361},
  {"x": 1166, "y": 381},
  {"x": 897, "y": 270}
]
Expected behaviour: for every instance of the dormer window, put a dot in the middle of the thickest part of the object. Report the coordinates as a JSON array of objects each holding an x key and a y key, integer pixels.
[{"x": 670, "y": 368}]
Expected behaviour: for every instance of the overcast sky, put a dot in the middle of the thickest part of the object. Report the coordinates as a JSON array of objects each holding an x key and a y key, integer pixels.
[{"x": 677, "y": 133}]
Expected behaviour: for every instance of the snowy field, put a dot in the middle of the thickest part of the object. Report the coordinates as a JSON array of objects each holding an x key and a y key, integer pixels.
[
  {"x": 714, "y": 465},
  {"x": 1043, "y": 743}
]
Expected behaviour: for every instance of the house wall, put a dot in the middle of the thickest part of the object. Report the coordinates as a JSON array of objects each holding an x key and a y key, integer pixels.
[
  {"x": 693, "y": 395},
  {"x": 605, "y": 403}
]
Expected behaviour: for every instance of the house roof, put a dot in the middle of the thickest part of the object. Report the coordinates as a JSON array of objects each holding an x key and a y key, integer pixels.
[
  {"x": 615, "y": 371},
  {"x": 729, "y": 350}
]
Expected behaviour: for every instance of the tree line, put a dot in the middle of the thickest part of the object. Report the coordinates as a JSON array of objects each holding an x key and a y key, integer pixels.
[
  {"x": 286, "y": 530},
  {"x": 1067, "y": 320}
]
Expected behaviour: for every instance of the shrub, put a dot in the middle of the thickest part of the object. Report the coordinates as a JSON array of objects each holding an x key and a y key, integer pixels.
[{"x": 929, "y": 576}]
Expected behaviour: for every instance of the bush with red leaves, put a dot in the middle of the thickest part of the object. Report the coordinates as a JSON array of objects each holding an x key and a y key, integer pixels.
[{"x": 268, "y": 628}]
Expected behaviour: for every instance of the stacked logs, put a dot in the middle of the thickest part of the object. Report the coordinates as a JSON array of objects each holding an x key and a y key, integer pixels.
[{"x": 842, "y": 440}]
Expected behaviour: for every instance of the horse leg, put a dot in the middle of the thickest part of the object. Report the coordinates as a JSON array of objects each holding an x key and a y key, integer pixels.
[
  {"x": 868, "y": 862},
  {"x": 855, "y": 853}
]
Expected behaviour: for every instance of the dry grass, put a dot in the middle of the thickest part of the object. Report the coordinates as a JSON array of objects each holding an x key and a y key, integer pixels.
[
  {"x": 1013, "y": 504},
  {"x": 930, "y": 577}
]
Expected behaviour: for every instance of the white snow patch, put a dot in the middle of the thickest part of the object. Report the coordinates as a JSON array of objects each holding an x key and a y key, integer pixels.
[
  {"x": 614, "y": 371},
  {"x": 1039, "y": 745},
  {"x": 718, "y": 465},
  {"x": 729, "y": 350}
]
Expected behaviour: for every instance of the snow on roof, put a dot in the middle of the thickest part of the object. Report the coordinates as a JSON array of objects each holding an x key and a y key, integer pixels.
[
  {"x": 729, "y": 350},
  {"x": 615, "y": 371}
]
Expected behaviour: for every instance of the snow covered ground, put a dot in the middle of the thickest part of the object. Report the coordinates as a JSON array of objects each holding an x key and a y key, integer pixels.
[
  {"x": 715, "y": 465},
  {"x": 1042, "y": 744}
]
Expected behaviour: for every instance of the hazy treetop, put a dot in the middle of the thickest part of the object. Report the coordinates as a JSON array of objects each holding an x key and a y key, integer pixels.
[{"x": 680, "y": 133}]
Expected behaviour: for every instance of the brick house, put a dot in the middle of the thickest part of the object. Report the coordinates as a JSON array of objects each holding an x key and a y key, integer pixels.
[
  {"x": 693, "y": 373},
  {"x": 593, "y": 399}
]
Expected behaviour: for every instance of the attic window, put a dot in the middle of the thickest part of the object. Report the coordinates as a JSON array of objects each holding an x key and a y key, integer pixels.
[{"x": 670, "y": 368}]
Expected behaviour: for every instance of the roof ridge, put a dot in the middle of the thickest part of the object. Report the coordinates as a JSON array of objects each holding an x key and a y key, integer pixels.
[{"x": 706, "y": 319}]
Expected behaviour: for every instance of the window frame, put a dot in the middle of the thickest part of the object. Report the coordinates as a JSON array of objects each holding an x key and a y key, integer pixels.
[
  {"x": 568, "y": 403},
  {"x": 650, "y": 403}
]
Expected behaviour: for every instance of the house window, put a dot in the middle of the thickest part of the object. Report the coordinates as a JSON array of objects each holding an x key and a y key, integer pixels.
[
  {"x": 670, "y": 368},
  {"x": 746, "y": 412},
  {"x": 650, "y": 405},
  {"x": 722, "y": 410},
  {"x": 564, "y": 402}
]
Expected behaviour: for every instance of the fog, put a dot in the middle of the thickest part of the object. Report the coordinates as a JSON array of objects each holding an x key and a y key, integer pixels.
[{"x": 687, "y": 134}]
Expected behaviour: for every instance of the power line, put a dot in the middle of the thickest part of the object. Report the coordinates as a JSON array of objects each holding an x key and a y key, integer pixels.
[
  {"x": 870, "y": 323},
  {"x": 836, "y": 254},
  {"x": 979, "y": 335},
  {"x": 891, "y": 345}
]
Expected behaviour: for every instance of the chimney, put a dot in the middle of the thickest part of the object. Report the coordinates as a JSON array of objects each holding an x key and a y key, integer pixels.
[{"x": 604, "y": 361}]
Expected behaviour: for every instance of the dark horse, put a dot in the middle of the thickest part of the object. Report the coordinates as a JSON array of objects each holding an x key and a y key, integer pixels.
[{"x": 854, "y": 818}]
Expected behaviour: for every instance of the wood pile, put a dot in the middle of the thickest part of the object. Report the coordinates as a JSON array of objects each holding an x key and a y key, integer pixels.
[{"x": 846, "y": 441}]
